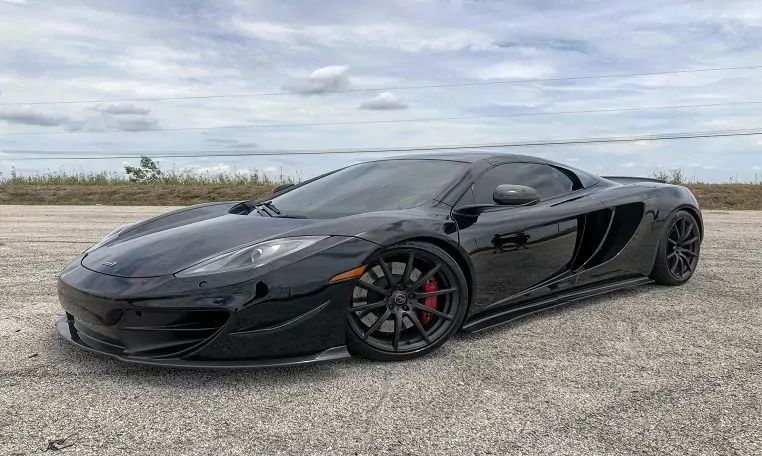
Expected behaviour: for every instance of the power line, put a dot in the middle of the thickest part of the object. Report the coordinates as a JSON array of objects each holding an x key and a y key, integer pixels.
[
  {"x": 377, "y": 89},
  {"x": 390, "y": 121},
  {"x": 209, "y": 154}
]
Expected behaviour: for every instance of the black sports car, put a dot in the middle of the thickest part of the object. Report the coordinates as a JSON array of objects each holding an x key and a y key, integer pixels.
[{"x": 385, "y": 259}]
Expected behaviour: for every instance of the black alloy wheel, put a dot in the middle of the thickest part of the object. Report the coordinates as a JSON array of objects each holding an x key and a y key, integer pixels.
[
  {"x": 410, "y": 300},
  {"x": 682, "y": 247},
  {"x": 679, "y": 250}
]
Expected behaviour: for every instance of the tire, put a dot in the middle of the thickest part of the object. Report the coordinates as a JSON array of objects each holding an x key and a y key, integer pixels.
[
  {"x": 389, "y": 323},
  {"x": 679, "y": 249}
]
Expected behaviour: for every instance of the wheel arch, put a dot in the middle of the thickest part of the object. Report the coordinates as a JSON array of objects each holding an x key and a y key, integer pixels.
[
  {"x": 460, "y": 257},
  {"x": 428, "y": 230},
  {"x": 673, "y": 198},
  {"x": 660, "y": 222},
  {"x": 696, "y": 215},
  {"x": 661, "y": 272},
  {"x": 693, "y": 210}
]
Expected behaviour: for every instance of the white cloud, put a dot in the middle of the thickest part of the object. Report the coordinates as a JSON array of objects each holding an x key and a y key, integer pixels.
[
  {"x": 163, "y": 53},
  {"x": 393, "y": 35},
  {"x": 219, "y": 168},
  {"x": 322, "y": 80},
  {"x": 756, "y": 168},
  {"x": 572, "y": 159},
  {"x": 127, "y": 50},
  {"x": 134, "y": 124},
  {"x": 162, "y": 68},
  {"x": 76, "y": 125},
  {"x": 122, "y": 109},
  {"x": 748, "y": 14},
  {"x": 383, "y": 101},
  {"x": 515, "y": 70},
  {"x": 28, "y": 116},
  {"x": 267, "y": 31},
  {"x": 627, "y": 165}
]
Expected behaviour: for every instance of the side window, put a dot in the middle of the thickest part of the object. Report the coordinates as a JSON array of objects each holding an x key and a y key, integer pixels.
[
  {"x": 539, "y": 177},
  {"x": 467, "y": 198}
]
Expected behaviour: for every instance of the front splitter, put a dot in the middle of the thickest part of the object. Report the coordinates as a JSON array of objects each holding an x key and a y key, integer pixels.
[{"x": 66, "y": 329}]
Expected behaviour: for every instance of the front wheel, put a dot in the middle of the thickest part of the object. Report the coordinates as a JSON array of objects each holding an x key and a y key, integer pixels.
[
  {"x": 410, "y": 300},
  {"x": 679, "y": 249}
]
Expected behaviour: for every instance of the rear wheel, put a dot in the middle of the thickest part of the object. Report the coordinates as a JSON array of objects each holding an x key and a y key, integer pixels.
[
  {"x": 679, "y": 250},
  {"x": 411, "y": 299}
]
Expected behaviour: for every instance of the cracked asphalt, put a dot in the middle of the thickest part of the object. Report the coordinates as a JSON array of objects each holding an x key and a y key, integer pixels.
[{"x": 651, "y": 370}]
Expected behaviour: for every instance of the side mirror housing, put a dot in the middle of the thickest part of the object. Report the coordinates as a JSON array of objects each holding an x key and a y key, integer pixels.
[
  {"x": 281, "y": 187},
  {"x": 504, "y": 195},
  {"x": 515, "y": 195}
]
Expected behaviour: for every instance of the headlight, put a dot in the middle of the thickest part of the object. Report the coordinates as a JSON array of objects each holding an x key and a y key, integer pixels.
[
  {"x": 109, "y": 237},
  {"x": 251, "y": 256}
]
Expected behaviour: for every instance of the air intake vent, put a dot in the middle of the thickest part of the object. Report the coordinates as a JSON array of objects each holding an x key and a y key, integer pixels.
[
  {"x": 627, "y": 218},
  {"x": 593, "y": 228},
  {"x": 162, "y": 334}
]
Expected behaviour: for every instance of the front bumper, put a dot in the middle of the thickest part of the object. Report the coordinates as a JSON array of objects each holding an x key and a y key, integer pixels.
[
  {"x": 67, "y": 330},
  {"x": 290, "y": 316}
]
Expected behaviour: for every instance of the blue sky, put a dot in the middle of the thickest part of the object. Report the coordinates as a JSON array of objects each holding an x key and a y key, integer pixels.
[{"x": 106, "y": 50}]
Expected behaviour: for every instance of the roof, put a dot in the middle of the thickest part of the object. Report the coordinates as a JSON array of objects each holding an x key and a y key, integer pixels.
[
  {"x": 461, "y": 155},
  {"x": 472, "y": 156}
]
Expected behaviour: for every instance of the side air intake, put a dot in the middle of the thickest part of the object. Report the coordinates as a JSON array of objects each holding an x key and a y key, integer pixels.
[
  {"x": 627, "y": 218},
  {"x": 605, "y": 233},
  {"x": 593, "y": 227}
]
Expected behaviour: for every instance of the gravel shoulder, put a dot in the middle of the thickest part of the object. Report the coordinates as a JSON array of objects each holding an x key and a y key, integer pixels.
[{"x": 652, "y": 370}]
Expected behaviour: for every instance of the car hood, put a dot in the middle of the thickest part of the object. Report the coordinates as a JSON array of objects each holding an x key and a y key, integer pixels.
[
  {"x": 174, "y": 241},
  {"x": 148, "y": 251}
]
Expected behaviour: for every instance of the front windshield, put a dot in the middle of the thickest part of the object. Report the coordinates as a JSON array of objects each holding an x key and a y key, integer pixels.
[{"x": 369, "y": 187}]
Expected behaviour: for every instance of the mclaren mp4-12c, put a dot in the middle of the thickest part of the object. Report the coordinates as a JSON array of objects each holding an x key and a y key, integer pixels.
[{"x": 385, "y": 259}]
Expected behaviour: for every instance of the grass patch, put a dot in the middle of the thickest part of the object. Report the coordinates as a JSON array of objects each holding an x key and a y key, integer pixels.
[
  {"x": 710, "y": 196},
  {"x": 148, "y": 185},
  {"x": 173, "y": 177},
  {"x": 728, "y": 196},
  {"x": 128, "y": 194}
]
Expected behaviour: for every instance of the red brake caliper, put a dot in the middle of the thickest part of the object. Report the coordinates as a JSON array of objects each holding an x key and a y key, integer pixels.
[{"x": 430, "y": 302}]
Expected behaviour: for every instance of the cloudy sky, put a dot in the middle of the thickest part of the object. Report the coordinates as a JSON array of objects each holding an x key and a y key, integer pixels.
[{"x": 100, "y": 52}]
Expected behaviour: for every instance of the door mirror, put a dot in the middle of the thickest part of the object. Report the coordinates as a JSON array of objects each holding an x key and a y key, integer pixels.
[
  {"x": 515, "y": 195},
  {"x": 504, "y": 195},
  {"x": 282, "y": 187}
]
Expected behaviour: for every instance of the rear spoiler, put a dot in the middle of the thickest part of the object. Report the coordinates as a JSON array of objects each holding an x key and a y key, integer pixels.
[{"x": 632, "y": 180}]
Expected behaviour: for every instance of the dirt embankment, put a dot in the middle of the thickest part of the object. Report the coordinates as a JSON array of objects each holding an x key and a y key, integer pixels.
[{"x": 710, "y": 196}]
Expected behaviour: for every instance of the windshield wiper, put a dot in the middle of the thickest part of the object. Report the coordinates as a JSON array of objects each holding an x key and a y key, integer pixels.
[
  {"x": 268, "y": 208},
  {"x": 256, "y": 208},
  {"x": 271, "y": 206}
]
